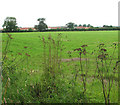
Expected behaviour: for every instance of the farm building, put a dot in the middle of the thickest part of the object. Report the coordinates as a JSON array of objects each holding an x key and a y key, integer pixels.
[
  {"x": 27, "y": 28},
  {"x": 64, "y": 27},
  {"x": 81, "y": 27},
  {"x": 57, "y": 27}
]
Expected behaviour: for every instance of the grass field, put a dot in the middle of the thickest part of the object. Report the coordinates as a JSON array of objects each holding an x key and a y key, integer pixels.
[
  {"x": 71, "y": 40},
  {"x": 27, "y": 79}
]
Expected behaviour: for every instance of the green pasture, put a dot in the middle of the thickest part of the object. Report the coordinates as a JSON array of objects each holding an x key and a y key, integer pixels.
[{"x": 70, "y": 41}]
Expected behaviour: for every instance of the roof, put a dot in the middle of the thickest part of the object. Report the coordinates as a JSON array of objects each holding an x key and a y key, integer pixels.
[
  {"x": 54, "y": 27},
  {"x": 27, "y": 28},
  {"x": 81, "y": 27}
]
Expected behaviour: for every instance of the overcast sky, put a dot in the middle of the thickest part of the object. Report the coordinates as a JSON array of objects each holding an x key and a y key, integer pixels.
[{"x": 60, "y": 12}]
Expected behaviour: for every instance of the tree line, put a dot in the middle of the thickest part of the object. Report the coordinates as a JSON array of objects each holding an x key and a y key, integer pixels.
[{"x": 10, "y": 25}]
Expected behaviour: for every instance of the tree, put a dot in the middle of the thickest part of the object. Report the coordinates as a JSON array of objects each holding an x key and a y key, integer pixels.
[
  {"x": 36, "y": 27},
  {"x": 70, "y": 25},
  {"x": 111, "y": 26},
  {"x": 41, "y": 26},
  {"x": 91, "y": 26},
  {"x": 88, "y": 25},
  {"x": 107, "y": 26},
  {"x": 75, "y": 25},
  {"x": 41, "y": 19},
  {"x": 80, "y": 25},
  {"x": 30, "y": 30},
  {"x": 10, "y": 24},
  {"x": 84, "y": 25}
]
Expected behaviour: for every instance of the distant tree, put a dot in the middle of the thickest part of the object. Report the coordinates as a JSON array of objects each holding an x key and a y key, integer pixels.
[
  {"x": 80, "y": 25},
  {"x": 111, "y": 26},
  {"x": 84, "y": 25},
  {"x": 75, "y": 25},
  {"x": 41, "y": 26},
  {"x": 91, "y": 26},
  {"x": 104, "y": 25},
  {"x": 30, "y": 29},
  {"x": 36, "y": 27},
  {"x": 41, "y": 19},
  {"x": 70, "y": 25},
  {"x": 10, "y": 24},
  {"x": 88, "y": 25},
  {"x": 107, "y": 26}
]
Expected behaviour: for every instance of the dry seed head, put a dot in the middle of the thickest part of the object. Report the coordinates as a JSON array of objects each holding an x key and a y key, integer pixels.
[
  {"x": 79, "y": 49},
  {"x": 27, "y": 54},
  {"x": 102, "y": 44},
  {"x": 84, "y": 46},
  {"x": 80, "y": 53},
  {"x": 19, "y": 54},
  {"x": 25, "y": 46},
  {"x": 9, "y": 36},
  {"x": 103, "y": 49},
  {"x": 84, "y": 51}
]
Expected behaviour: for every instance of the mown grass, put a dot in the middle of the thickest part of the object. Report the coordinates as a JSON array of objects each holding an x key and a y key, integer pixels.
[{"x": 26, "y": 81}]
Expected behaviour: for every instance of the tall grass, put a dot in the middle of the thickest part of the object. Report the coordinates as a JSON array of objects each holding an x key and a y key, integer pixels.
[
  {"x": 11, "y": 71},
  {"x": 106, "y": 70},
  {"x": 54, "y": 82}
]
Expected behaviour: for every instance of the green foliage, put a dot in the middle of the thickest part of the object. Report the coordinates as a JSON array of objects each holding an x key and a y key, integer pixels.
[
  {"x": 107, "y": 26},
  {"x": 75, "y": 25},
  {"x": 10, "y": 24},
  {"x": 88, "y": 25},
  {"x": 41, "y": 26},
  {"x": 30, "y": 30},
  {"x": 70, "y": 25},
  {"x": 106, "y": 72},
  {"x": 84, "y": 25},
  {"x": 11, "y": 73},
  {"x": 40, "y": 74}
]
